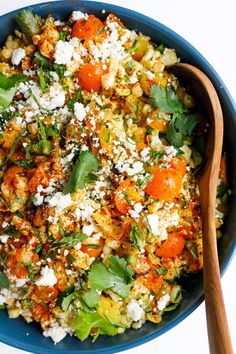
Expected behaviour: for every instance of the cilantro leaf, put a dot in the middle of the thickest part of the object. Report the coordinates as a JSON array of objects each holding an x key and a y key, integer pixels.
[
  {"x": 165, "y": 99},
  {"x": 8, "y": 82},
  {"x": 116, "y": 277},
  {"x": 91, "y": 298},
  {"x": 4, "y": 282},
  {"x": 86, "y": 163},
  {"x": 118, "y": 266},
  {"x": 180, "y": 127},
  {"x": 137, "y": 237},
  {"x": 85, "y": 322},
  {"x": 65, "y": 297}
]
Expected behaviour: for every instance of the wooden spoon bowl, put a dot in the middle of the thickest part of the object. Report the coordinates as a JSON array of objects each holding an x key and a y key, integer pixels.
[{"x": 208, "y": 102}]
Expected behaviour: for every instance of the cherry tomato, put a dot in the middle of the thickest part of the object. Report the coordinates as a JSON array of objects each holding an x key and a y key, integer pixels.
[
  {"x": 90, "y": 28},
  {"x": 173, "y": 246},
  {"x": 166, "y": 183},
  {"x": 90, "y": 76},
  {"x": 153, "y": 281},
  {"x": 126, "y": 192}
]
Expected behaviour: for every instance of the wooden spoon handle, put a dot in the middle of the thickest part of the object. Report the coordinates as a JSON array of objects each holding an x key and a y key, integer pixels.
[{"x": 217, "y": 325}]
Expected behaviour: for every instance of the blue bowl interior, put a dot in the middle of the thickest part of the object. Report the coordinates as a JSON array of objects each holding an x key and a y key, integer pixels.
[{"x": 28, "y": 336}]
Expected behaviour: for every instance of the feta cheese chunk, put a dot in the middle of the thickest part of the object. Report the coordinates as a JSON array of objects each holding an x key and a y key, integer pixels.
[
  {"x": 60, "y": 201},
  {"x": 153, "y": 223},
  {"x": 135, "y": 311},
  {"x": 63, "y": 52},
  {"x": 79, "y": 111},
  {"x": 163, "y": 301},
  {"x": 78, "y": 15},
  {"x": 17, "y": 55},
  {"x": 56, "y": 332},
  {"x": 47, "y": 277}
]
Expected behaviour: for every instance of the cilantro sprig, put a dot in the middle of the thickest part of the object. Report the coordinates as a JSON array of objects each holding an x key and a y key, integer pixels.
[
  {"x": 182, "y": 123},
  {"x": 116, "y": 277}
]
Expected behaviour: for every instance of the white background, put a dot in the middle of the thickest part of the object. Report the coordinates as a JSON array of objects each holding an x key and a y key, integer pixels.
[{"x": 210, "y": 26}]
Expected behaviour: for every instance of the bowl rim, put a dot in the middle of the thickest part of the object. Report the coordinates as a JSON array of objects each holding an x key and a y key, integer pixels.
[{"x": 199, "y": 57}]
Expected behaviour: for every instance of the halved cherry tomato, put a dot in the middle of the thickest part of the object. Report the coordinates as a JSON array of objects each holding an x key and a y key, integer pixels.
[
  {"x": 125, "y": 192},
  {"x": 93, "y": 252},
  {"x": 87, "y": 29},
  {"x": 173, "y": 246},
  {"x": 153, "y": 281},
  {"x": 90, "y": 76},
  {"x": 166, "y": 183}
]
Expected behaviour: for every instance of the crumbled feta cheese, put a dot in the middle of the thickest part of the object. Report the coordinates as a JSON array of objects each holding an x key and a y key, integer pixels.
[
  {"x": 2, "y": 299},
  {"x": 5, "y": 224},
  {"x": 138, "y": 207},
  {"x": 60, "y": 201},
  {"x": 78, "y": 15},
  {"x": 17, "y": 55},
  {"x": 153, "y": 223},
  {"x": 79, "y": 111},
  {"x": 63, "y": 52},
  {"x": 134, "y": 310},
  {"x": 47, "y": 277},
  {"x": 38, "y": 199},
  {"x": 78, "y": 246},
  {"x": 163, "y": 301},
  {"x": 136, "y": 168},
  {"x": 56, "y": 332},
  {"x": 4, "y": 238},
  {"x": 88, "y": 229}
]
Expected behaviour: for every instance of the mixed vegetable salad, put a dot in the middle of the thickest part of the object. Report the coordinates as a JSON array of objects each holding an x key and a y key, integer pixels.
[{"x": 99, "y": 150}]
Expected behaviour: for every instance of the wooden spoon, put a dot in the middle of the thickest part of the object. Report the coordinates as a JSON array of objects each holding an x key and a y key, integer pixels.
[{"x": 203, "y": 90}]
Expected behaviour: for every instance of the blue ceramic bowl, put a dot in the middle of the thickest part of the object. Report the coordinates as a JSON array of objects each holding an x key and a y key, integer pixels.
[{"x": 29, "y": 337}]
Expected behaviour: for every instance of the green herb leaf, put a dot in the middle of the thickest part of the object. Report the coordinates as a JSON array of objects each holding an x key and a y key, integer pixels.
[
  {"x": 6, "y": 97},
  {"x": 165, "y": 99},
  {"x": 86, "y": 163},
  {"x": 14, "y": 145},
  {"x": 65, "y": 297},
  {"x": 91, "y": 298},
  {"x": 85, "y": 322},
  {"x": 4, "y": 282},
  {"x": 143, "y": 182},
  {"x": 161, "y": 47},
  {"x": 161, "y": 271},
  {"x": 8, "y": 82},
  {"x": 69, "y": 241},
  {"x": 170, "y": 308},
  {"x": 180, "y": 127},
  {"x": 117, "y": 277},
  {"x": 42, "y": 80},
  {"x": 129, "y": 65},
  {"x": 137, "y": 237},
  {"x": 194, "y": 251}
]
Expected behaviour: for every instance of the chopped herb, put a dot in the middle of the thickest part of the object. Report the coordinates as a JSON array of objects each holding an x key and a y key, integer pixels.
[
  {"x": 149, "y": 129},
  {"x": 127, "y": 198},
  {"x": 170, "y": 308},
  {"x": 143, "y": 182},
  {"x": 77, "y": 97},
  {"x": 91, "y": 298},
  {"x": 161, "y": 271},
  {"x": 161, "y": 47},
  {"x": 129, "y": 65},
  {"x": 42, "y": 80},
  {"x": 222, "y": 190},
  {"x": 157, "y": 155},
  {"x": 180, "y": 126},
  {"x": 29, "y": 23},
  {"x": 14, "y": 145},
  {"x": 137, "y": 237},
  {"x": 70, "y": 240},
  {"x": 65, "y": 297},
  {"x": 194, "y": 251},
  {"x": 179, "y": 153},
  {"x": 38, "y": 248}
]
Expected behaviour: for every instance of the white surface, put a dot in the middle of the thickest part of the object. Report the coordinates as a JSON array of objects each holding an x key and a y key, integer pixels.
[{"x": 210, "y": 26}]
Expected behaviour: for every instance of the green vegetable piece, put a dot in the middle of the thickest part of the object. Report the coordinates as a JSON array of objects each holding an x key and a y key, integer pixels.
[
  {"x": 86, "y": 163},
  {"x": 62, "y": 35},
  {"x": 42, "y": 80},
  {"x": 161, "y": 47},
  {"x": 161, "y": 271},
  {"x": 137, "y": 237},
  {"x": 14, "y": 145},
  {"x": 69, "y": 241},
  {"x": 29, "y": 23},
  {"x": 194, "y": 251},
  {"x": 129, "y": 65},
  {"x": 119, "y": 267},
  {"x": 4, "y": 282},
  {"x": 170, "y": 308},
  {"x": 85, "y": 322},
  {"x": 165, "y": 99},
  {"x": 6, "y": 97}
]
